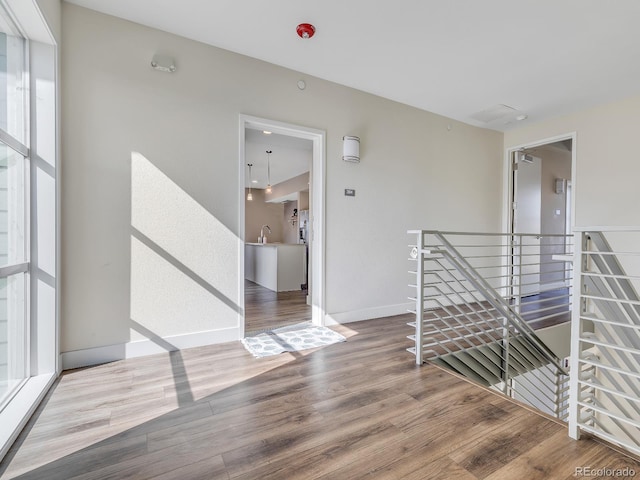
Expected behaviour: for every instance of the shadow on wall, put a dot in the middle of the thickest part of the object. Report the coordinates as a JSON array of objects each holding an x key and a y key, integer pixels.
[{"x": 181, "y": 256}]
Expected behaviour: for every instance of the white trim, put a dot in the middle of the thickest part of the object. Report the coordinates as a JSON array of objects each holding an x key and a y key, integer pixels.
[
  {"x": 18, "y": 412},
  {"x": 508, "y": 177},
  {"x": 317, "y": 233},
  {"x": 368, "y": 313},
  {"x": 121, "y": 351},
  {"x": 241, "y": 229},
  {"x": 31, "y": 23}
]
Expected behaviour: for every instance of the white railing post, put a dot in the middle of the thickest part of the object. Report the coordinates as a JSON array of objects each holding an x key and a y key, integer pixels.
[
  {"x": 419, "y": 297},
  {"x": 518, "y": 286},
  {"x": 579, "y": 265}
]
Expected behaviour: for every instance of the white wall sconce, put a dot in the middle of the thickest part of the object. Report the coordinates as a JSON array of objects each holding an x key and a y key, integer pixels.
[
  {"x": 164, "y": 63},
  {"x": 351, "y": 149}
]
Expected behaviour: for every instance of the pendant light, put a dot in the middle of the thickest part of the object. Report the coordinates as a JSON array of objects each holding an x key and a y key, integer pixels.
[
  {"x": 268, "y": 189},
  {"x": 250, "y": 195}
]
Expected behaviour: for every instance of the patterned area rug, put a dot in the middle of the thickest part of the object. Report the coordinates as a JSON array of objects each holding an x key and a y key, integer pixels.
[{"x": 290, "y": 339}]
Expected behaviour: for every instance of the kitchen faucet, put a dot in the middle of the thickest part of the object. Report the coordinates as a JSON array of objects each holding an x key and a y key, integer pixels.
[{"x": 262, "y": 237}]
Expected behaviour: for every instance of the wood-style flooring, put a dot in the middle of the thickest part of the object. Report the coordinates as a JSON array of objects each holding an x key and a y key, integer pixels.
[
  {"x": 265, "y": 308},
  {"x": 358, "y": 409},
  {"x": 547, "y": 309}
]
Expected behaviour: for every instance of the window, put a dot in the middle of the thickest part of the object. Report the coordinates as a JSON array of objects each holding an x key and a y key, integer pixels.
[
  {"x": 14, "y": 341},
  {"x": 29, "y": 294}
]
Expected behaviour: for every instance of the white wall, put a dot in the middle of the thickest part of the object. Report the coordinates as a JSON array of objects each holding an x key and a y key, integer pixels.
[
  {"x": 607, "y": 160},
  {"x": 418, "y": 170}
]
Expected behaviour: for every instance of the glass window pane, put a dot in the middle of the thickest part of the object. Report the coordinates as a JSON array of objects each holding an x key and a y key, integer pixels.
[
  {"x": 12, "y": 80},
  {"x": 13, "y": 335},
  {"x": 12, "y": 205}
]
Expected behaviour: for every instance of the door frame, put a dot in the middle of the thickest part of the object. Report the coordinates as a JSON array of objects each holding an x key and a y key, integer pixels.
[
  {"x": 508, "y": 189},
  {"x": 317, "y": 214},
  {"x": 507, "y": 210}
]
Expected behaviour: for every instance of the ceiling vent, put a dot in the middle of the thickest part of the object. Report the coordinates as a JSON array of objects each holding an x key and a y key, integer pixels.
[{"x": 497, "y": 112}]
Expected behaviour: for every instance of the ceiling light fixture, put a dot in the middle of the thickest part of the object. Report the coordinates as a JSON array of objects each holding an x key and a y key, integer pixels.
[
  {"x": 268, "y": 189},
  {"x": 267, "y": 132},
  {"x": 250, "y": 195},
  {"x": 305, "y": 30}
]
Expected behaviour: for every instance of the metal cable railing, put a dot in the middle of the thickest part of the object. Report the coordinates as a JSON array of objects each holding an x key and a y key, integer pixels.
[
  {"x": 480, "y": 297},
  {"x": 605, "y": 350}
]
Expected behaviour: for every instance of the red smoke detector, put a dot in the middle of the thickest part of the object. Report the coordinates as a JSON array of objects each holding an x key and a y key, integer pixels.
[{"x": 305, "y": 30}]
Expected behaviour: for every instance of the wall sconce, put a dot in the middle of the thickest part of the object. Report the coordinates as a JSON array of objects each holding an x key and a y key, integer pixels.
[
  {"x": 164, "y": 63},
  {"x": 250, "y": 195},
  {"x": 351, "y": 149}
]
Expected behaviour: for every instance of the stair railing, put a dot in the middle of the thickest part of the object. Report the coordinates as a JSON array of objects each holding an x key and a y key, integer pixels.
[
  {"x": 477, "y": 296},
  {"x": 605, "y": 349}
]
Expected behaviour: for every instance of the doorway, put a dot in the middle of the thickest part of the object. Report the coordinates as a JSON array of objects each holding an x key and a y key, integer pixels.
[
  {"x": 540, "y": 215},
  {"x": 281, "y": 268}
]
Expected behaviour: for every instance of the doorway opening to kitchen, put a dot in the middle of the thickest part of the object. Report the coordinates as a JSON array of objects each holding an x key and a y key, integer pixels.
[{"x": 281, "y": 220}]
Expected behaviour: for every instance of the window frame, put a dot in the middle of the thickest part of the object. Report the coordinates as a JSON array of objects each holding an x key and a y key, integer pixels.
[{"x": 21, "y": 267}]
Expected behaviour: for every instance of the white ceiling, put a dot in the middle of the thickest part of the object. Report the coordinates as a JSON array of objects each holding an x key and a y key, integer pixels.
[
  {"x": 290, "y": 157},
  {"x": 452, "y": 57}
]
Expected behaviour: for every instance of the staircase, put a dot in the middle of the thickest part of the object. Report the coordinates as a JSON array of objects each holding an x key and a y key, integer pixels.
[{"x": 478, "y": 297}]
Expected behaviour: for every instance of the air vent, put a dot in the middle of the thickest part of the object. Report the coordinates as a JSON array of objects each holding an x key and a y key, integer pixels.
[{"x": 497, "y": 112}]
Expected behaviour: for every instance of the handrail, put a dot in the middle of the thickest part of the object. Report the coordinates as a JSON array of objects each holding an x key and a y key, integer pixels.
[
  {"x": 505, "y": 309},
  {"x": 473, "y": 305},
  {"x": 605, "y": 402}
]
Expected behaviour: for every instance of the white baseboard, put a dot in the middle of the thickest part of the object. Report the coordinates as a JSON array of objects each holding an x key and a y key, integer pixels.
[
  {"x": 366, "y": 314},
  {"x": 111, "y": 353}
]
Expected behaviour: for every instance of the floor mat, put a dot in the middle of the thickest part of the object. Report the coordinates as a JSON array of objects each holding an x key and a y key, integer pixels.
[{"x": 290, "y": 339}]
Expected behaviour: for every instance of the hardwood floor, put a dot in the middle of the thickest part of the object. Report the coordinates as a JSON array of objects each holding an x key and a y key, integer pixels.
[
  {"x": 265, "y": 308},
  {"x": 359, "y": 409},
  {"x": 547, "y": 309}
]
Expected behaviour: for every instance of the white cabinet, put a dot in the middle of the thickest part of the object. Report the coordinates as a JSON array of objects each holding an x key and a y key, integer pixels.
[{"x": 276, "y": 266}]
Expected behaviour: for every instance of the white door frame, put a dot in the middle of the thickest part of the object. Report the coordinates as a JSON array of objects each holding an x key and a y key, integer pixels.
[
  {"x": 508, "y": 176},
  {"x": 317, "y": 214}
]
